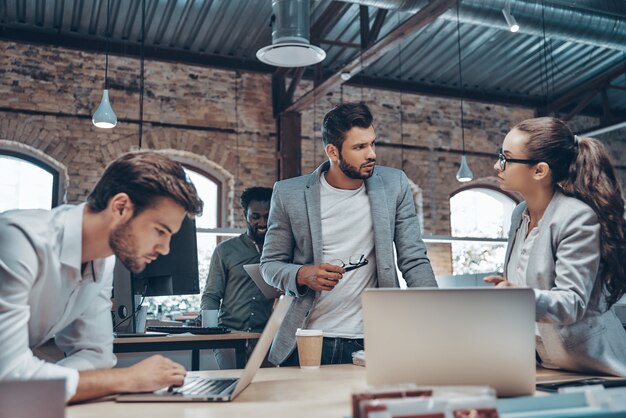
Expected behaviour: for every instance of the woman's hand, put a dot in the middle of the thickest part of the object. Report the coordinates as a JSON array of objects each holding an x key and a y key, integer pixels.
[{"x": 498, "y": 281}]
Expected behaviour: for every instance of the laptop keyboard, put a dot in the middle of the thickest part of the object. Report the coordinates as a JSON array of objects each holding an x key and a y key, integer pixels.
[
  {"x": 193, "y": 330},
  {"x": 205, "y": 387}
]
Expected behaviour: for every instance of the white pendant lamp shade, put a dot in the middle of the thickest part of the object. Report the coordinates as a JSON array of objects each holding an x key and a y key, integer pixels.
[
  {"x": 104, "y": 117},
  {"x": 291, "y": 54},
  {"x": 464, "y": 174}
]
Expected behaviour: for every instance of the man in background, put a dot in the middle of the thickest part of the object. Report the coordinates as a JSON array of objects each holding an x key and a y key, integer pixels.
[{"x": 229, "y": 288}]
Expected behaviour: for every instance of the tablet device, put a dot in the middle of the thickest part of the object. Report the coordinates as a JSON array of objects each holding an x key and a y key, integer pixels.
[{"x": 254, "y": 270}]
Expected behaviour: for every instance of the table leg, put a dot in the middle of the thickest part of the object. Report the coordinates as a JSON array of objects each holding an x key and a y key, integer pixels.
[
  {"x": 240, "y": 354},
  {"x": 195, "y": 360}
]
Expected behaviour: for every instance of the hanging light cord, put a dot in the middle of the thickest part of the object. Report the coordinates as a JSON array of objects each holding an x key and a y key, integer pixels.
[
  {"x": 624, "y": 64},
  {"x": 401, "y": 108},
  {"x": 362, "y": 73},
  {"x": 141, "y": 85},
  {"x": 315, "y": 130},
  {"x": 106, "y": 59},
  {"x": 544, "y": 61},
  {"x": 458, "y": 42},
  {"x": 237, "y": 125}
]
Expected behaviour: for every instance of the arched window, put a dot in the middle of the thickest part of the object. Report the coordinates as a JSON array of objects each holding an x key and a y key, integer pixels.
[
  {"x": 479, "y": 212},
  {"x": 26, "y": 182},
  {"x": 209, "y": 190}
]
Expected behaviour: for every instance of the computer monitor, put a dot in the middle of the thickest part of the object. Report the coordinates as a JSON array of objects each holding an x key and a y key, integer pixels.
[{"x": 173, "y": 274}]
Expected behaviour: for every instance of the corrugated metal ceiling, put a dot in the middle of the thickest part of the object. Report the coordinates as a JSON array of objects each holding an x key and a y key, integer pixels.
[{"x": 518, "y": 67}]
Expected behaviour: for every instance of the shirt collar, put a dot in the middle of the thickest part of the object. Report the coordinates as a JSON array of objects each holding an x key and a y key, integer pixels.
[
  {"x": 72, "y": 247},
  {"x": 526, "y": 217}
]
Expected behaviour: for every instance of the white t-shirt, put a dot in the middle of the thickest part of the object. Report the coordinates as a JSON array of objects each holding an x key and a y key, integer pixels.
[{"x": 347, "y": 230}]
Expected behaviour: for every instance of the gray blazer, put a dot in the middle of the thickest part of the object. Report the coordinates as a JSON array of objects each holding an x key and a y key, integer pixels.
[
  {"x": 294, "y": 239},
  {"x": 578, "y": 331}
]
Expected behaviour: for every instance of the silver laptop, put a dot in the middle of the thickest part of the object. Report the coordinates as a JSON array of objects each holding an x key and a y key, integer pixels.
[
  {"x": 32, "y": 398},
  {"x": 477, "y": 336},
  {"x": 254, "y": 271},
  {"x": 215, "y": 389}
]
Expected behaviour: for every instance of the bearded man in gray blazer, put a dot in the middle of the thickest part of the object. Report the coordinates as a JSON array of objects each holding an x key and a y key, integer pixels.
[{"x": 331, "y": 234}]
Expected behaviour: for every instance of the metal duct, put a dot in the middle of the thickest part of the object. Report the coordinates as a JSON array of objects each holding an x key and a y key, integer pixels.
[
  {"x": 291, "y": 21},
  {"x": 561, "y": 22}
]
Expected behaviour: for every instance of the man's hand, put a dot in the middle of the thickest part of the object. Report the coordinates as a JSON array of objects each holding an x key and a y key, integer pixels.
[
  {"x": 498, "y": 281},
  {"x": 154, "y": 373},
  {"x": 320, "y": 277}
]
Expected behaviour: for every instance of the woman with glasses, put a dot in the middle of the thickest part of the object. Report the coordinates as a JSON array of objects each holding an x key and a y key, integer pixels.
[{"x": 567, "y": 241}]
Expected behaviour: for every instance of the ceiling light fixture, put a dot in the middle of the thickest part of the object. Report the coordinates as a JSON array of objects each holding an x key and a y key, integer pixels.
[
  {"x": 290, "y": 36},
  {"x": 141, "y": 69},
  {"x": 510, "y": 19},
  {"x": 105, "y": 117},
  {"x": 464, "y": 174}
]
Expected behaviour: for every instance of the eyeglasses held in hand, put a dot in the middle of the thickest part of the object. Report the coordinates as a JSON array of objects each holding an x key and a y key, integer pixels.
[{"x": 354, "y": 262}]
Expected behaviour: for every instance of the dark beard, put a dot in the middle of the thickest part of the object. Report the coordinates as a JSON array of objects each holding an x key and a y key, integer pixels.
[
  {"x": 123, "y": 243},
  {"x": 258, "y": 238},
  {"x": 351, "y": 171}
]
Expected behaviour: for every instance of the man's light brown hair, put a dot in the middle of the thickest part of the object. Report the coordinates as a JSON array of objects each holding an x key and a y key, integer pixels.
[{"x": 145, "y": 176}]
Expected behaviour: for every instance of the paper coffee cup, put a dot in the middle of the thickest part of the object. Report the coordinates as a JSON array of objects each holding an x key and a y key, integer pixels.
[
  {"x": 209, "y": 318},
  {"x": 309, "y": 347}
]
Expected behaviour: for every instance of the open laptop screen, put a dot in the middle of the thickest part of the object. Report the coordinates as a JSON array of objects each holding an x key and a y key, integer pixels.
[{"x": 479, "y": 336}]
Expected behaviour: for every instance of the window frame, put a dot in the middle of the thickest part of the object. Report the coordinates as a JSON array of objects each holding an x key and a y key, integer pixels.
[
  {"x": 218, "y": 183},
  {"x": 516, "y": 198},
  {"x": 56, "y": 177},
  {"x": 481, "y": 187}
]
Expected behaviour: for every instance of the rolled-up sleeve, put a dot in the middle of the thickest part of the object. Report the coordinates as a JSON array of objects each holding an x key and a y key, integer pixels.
[
  {"x": 215, "y": 283},
  {"x": 18, "y": 269}
]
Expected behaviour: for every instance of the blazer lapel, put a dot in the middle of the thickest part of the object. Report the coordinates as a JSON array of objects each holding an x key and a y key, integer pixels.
[
  {"x": 380, "y": 219},
  {"x": 313, "y": 207},
  {"x": 515, "y": 224}
]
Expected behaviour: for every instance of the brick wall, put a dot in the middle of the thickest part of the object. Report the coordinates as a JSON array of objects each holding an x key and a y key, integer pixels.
[{"x": 221, "y": 121}]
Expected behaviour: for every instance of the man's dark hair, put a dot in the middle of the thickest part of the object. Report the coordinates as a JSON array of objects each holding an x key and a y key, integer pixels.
[
  {"x": 260, "y": 194},
  {"x": 341, "y": 119},
  {"x": 145, "y": 176}
]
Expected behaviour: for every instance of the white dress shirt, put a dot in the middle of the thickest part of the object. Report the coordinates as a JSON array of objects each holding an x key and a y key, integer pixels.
[
  {"x": 43, "y": 294},
  {"x": 518, "y": 262}
]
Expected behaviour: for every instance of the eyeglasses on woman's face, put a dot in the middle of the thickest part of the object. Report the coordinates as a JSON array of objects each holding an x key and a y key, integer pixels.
[{"x": 503, "y": 160}]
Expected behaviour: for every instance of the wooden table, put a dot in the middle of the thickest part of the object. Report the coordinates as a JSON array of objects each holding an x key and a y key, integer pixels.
[
  {"x": 195, "y": 343},
  {"x": 275, "y": 392}
]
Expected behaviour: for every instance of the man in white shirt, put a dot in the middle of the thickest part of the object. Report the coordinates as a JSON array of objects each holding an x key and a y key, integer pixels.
[
  {"x": 331, "y": 234},
  {"x": 56, "y": 275}
]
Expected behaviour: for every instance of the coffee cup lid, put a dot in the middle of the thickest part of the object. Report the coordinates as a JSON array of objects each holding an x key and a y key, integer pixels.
[{"x": 308, "y": 332}]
